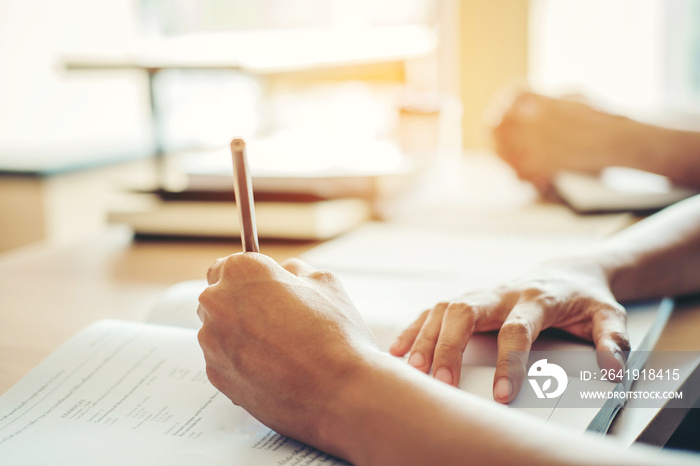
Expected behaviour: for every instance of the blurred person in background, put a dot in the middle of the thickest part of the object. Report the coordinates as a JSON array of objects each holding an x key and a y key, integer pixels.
[{"x": 540, "y": 136}]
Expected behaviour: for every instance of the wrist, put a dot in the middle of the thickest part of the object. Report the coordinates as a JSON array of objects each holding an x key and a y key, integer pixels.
[
  {"x": 376, "y": 409},
  {"x": 657, "y": 149},
  {"x": 605, "y": 267},
  {"x": 341, "y": 421},
  {"x": 612, "y": 265}
]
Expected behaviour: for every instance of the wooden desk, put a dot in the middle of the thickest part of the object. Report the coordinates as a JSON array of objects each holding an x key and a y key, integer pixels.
[{"x": 47, "y": 294}]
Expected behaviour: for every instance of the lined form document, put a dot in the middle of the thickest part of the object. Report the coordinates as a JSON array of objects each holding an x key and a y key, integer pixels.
[{"x": 131, "y": 393}]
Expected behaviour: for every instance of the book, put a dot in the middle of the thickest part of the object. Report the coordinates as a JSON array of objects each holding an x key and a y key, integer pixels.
[
  {"x": 618, "y": 189},
  {"x": 149, "y": 214},
  {"x": 325, "y": 167}
]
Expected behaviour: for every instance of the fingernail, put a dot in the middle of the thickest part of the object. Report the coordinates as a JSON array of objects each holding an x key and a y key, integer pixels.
[
  {"x": 444, "y": 375},
  {"x": 620, "y": 360},
  {"x": 502, "y": 390},
  {"x": 394, "y": 346},
  {"x": 416, "y": 360}
]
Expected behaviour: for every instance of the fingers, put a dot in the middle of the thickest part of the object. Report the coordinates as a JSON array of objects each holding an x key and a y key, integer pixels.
[
  {"x": 439, "y": 336},
  {"x": 241, "y": 266},
  {"x": 236, "y": 268},
  {"x": 201, "y": 313},
  {"x": 298, "y": 267},
  {"x": 438, "y": 339},
  {"x": 457, "y": 328},
  {"x": 404, "y": 341},
  {"x": 326, "y": 279},
  {"x": 219, "y": 371},
  {"x": 610, "y": 338},
  {"x": 421, "y": 356},
  {"x": 503, "y": 102},
  {"x": 515, "y": 338},
  {"x": 214, "y": 271}
]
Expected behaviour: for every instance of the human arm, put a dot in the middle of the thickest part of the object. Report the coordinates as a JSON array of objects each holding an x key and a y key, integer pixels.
[
  {"x": 659, "y": 256},
  {"x": 290, "y": 347},
  {"x": 540, "y": 136}
]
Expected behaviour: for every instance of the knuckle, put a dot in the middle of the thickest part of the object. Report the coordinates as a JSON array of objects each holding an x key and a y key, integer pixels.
[
  {"x": 230, "y": 265},
  {"x": 547, "y": 301},
  {"x": 461, "y": 311},
  {"x": 441, "y": 306},
  {"x": 424, "y": 340},
  {"x": 241, "y": 266},
  {"x": 214, "y": 376},
  {"x": 204, "y": 340},
  {"x": 511, "y": 363},
  {"x": 213, "y": 272},
  {"x": 448, "y": 347},
  {"x": 503, "y": 360},
  {"x": 292, "y": 264},
  {"x": 518, "y": 327},
  {"x": 325, "y": 276},
  {"x": 619, "y": 311},
  {"x": 438, "y": 311},
  {"x": 207, "y": 299},
  {"x": 533, "y": 291}
]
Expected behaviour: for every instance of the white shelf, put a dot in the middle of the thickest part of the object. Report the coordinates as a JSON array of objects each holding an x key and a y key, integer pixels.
[{"x": 269, "y": 52}]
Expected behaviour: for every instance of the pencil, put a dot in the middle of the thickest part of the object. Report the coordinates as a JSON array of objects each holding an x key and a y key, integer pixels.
[{"x": 243, "y": 190}]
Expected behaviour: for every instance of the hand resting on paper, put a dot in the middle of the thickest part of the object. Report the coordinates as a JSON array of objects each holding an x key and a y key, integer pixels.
[
  {"x": 561, "y": 294},
  {"x": 654, "y": 258}
]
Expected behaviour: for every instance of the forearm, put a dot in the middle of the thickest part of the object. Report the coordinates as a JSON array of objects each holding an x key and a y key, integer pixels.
[
  {"x": 659, "y": 256},
  {"x": 390, "y": 413},
  {"x": 669, "y": 152}
]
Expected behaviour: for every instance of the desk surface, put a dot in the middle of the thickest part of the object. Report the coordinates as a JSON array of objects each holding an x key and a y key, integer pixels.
[{"x": 49, "y": 293}]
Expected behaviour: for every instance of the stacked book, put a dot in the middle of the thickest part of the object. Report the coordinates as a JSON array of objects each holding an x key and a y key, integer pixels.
[
  {"x": 311, "y": 194},
  {"x": 298, "y": 209}
]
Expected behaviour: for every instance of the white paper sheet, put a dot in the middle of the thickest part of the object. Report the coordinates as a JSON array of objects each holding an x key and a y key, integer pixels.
[{"x": 123, "y": 393}]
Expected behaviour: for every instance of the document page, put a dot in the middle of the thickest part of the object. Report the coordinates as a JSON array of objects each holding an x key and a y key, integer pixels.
[
  {"x": 121, "y": 393},
  {"x": 479, "y": 260}
]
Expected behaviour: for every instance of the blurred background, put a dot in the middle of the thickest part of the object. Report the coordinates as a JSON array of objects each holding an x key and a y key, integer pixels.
[{"x": 114, "y": 111}]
